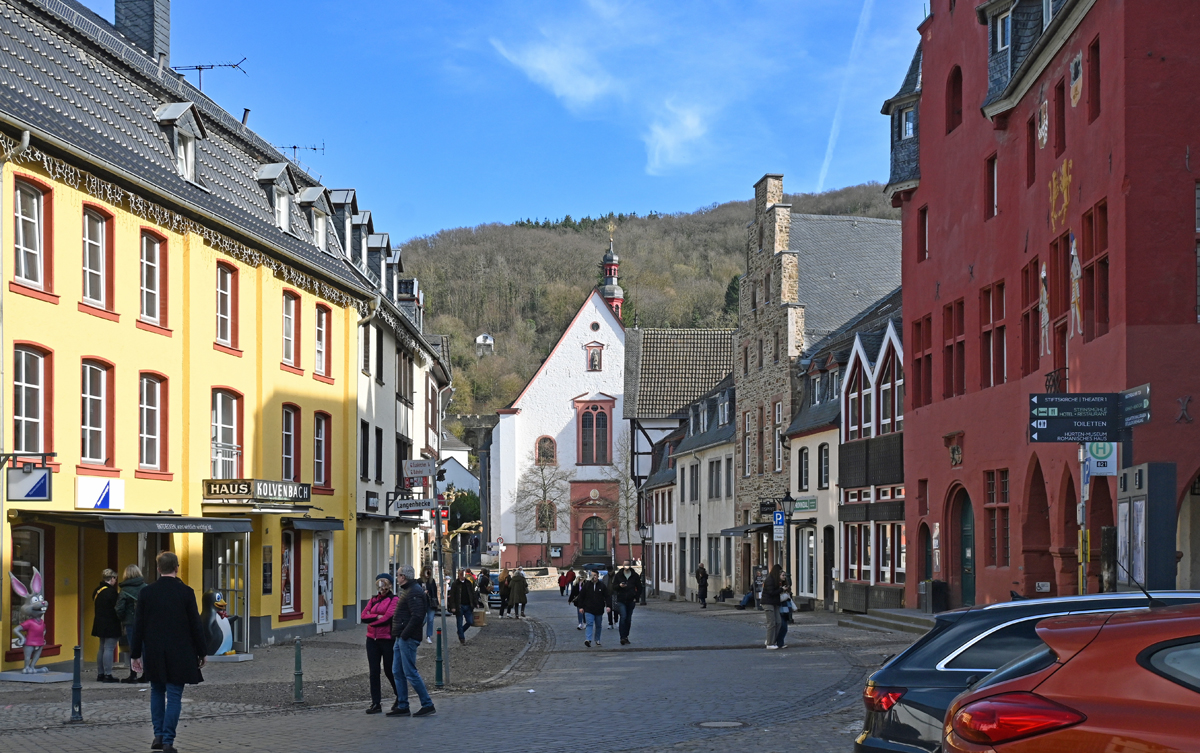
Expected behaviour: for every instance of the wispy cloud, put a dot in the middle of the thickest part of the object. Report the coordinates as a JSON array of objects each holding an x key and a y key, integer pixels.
[
  {"x": 674, "y": 136},
  {"x": 864, "y": 20},
  {"x": 568, "y": 70}
]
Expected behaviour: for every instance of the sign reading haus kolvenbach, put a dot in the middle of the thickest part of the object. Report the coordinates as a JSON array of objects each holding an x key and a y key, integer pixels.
[{"x": 258, "y": 489}]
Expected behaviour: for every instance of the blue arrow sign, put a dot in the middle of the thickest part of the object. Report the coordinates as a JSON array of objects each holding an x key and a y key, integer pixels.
[{"x": 33, "y": 486}]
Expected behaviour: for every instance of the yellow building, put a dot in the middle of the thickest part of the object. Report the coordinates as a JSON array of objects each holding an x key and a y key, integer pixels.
[{"x": 179, "y": 329}]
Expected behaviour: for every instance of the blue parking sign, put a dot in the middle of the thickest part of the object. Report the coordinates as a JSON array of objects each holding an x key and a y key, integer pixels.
[{"x": 778, "y": 517}]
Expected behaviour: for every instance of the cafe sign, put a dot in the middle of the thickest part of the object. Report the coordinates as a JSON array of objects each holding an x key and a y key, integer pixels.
[
  {"x": 805, "y": 504},
  {"x": 257, "y": 489}
]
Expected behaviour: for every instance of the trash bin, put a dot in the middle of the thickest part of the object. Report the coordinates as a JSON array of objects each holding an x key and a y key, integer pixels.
[
  {"x": 939, "y": 596},
  {"x": 923, "y": 591}
]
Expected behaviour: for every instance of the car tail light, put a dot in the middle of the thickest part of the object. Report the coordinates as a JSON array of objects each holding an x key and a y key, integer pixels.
[
  {"x": 1010, "y": 716},
  {"x": 881, "y": 699}
]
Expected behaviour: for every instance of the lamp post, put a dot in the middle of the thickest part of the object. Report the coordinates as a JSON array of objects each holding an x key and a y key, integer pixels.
[{"x": 643, "y": 531}]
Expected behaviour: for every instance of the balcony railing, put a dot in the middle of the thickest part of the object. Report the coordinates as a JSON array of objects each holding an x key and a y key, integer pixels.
[
  {"x": 1056, "y": 381},
  {"x": 225, "y": 460}
]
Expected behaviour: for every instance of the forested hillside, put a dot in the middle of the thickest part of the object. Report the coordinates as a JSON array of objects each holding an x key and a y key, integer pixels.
[{"x": 523, "y": 282}]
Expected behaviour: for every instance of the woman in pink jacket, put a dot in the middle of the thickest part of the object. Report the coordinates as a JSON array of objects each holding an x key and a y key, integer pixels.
[{"x": 377, "y": 616}]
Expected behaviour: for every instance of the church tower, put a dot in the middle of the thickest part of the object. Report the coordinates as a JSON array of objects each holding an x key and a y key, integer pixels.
[{"x": 611, "y": 291}]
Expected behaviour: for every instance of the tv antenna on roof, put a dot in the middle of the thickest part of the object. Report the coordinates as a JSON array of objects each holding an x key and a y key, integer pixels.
[
  {"x": 200, "y": 69},
  {"x": 301, "y": 148}
]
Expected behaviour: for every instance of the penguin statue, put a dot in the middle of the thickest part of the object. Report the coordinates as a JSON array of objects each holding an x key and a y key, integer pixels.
[{"x": 214, "y": 623}]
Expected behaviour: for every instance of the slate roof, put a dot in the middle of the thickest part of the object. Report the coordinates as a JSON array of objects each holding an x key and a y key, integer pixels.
[
  {"x": 870, "y": 323},
  {"x": 716, "y": 434},
  {"x": 666, "y": 370},
  {"x": 68, "y": 73},
  {"x": 451, "y": 442},
  {"x": 912, "y": 82},
  {"x": 845, "y": 263},
  {"x": 662, "y": 471}
]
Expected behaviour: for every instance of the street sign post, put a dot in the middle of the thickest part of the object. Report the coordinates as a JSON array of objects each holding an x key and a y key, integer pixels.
[
  {"x": 778, "y": 529},
  {"x": 419, "y": 468},
  {"x": 1078, "y": 417},
  {"x": 1135, "y": 406},
  {"x": 414, "y": 505}
]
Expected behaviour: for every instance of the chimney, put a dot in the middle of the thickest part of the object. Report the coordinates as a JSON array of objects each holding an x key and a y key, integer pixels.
[{"x": 146, "y": 24}]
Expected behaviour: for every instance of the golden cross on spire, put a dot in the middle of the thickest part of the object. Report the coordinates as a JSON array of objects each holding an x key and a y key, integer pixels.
[{"x": 611, "y": 228}]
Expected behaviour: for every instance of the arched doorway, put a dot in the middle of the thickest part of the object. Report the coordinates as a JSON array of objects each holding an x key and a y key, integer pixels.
[
  {"x": 926, "y": 549},
  {"x": 1100, "y": 516},
  {"x": 1187, "y": 537},
  {"x": 963, "y": 528},
  {"x": 1035, "y": 537},
  {"x": 1068, "y": 553},
  {"x": 595, "y": 537}
]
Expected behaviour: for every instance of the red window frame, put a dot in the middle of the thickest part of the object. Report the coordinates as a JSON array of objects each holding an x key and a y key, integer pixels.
[
  {"x": 47, "y": 391},
  {"x": 323, "y": 367},
  {"x": 594, "y": 408},
  {"x": 162, "y": 326},
  {"x": 162, "y": 472},
  {"x": 954, "y": 344},
  {"x": 232, "y": 347},
  {"x": 295, "y": 611},
  {"x": 1093, "y": 255},
  {"x": 46, "y": 291},
  {"x": 993, "y": 336},
  {"x": 108, "y": 467},
  {"x": 294, "y": 366},
  {"x": 922, "y": 361},
  {"x": 294, "y": 410},
  {"x": 107, "y": 311}
]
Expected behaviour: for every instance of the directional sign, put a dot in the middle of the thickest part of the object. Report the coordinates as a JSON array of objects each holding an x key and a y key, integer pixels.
[
  {"x": 31, "y": 486},
  {"x": 1135, "y": 406},
  {"x": 409, "y": 505},
  {"x": 1074, "y": 430},
  {"x": 1073, "y": 405},
  {"x": 419, "y": 468}
]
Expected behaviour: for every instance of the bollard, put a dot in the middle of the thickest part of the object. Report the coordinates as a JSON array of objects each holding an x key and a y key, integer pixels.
[
  {"x": 298, "y": 693},
  {"x": 437, "y": 677},
  {"x": 77, "y": 689}
]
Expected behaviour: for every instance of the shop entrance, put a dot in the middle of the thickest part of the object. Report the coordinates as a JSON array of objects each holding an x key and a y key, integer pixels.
[
  {"x": 323, "y": 580},
  {"x": 225, "y": 571}
]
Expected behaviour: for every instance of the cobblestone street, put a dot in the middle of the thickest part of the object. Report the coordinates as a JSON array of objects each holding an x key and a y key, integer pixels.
[{"x": 691, "y": 666}]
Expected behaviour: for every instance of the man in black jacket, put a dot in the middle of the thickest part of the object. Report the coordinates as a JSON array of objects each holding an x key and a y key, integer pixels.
[
  {"x": 593, "y": 600},
  {"x": 407, "y": 623},
  {"x": 461, "y": 601},
  {"x": 626, "y": 588},
  {"x": 168, "y": 647}
]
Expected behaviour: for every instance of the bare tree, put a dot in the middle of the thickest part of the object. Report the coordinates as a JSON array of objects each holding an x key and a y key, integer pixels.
[
  {"x": 542, "y": 499},
  {"x": 625, "y": 506}
]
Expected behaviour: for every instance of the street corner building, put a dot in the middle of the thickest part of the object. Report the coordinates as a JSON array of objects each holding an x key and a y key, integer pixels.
[
  {"x": 1051, "y": 244},
  {"x": 181, "y": 338}
]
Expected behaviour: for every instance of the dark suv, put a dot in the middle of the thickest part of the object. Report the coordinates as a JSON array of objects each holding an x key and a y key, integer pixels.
[{"x": 907, "y": 699}]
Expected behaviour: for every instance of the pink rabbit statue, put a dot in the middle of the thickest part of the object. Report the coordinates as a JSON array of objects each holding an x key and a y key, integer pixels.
[{"x": 31, "y": 632}]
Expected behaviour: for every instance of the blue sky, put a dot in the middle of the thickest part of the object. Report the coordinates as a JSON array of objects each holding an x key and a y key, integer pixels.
[{"x": 451, "y": 114}]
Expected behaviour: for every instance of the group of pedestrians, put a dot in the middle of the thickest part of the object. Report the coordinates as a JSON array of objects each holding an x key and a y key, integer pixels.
[
  {"x": 514, "y": 593},
  {"x": 395, "y": 620},
  {"x": 615, "y": 596},
  {"x": 112, "y": 621}
]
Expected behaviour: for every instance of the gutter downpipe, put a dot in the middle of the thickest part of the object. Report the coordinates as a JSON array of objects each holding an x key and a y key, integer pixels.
[{"x": 373, "y": 308}]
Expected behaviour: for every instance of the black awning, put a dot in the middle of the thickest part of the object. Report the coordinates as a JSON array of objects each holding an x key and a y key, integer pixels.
[
  {"x": 315, "y": 524},
  {"x": 122, "y": 523},
  {"x": 743, "y": 530}
]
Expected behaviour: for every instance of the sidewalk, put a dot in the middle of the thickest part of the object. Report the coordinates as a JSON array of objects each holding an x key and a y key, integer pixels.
[{"x": 335, "y": 672}]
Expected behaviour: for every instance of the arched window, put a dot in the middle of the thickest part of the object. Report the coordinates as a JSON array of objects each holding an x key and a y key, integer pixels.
[
  {"x": 547, "y": 451},
  {"x": 954, "y": 99},
  {"x": 804, "y": 469},
  {"x": 595, "y": 537},
  {"x": 593, "y": 440}
]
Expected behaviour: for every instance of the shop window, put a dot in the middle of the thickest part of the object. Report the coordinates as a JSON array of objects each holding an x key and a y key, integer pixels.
[
  {"x": 289, "y": 571},
  {"x": 32, "y": 547}
]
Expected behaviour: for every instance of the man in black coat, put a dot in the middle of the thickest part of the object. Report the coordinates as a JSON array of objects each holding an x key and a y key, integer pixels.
[
  {"x": 461, "y": 601},
  {"x": 407, "y": 623},
  {"x": 593, "y": 599},
  {"x": 626, "y": 588},
  {"x": 168, "y": 647}
]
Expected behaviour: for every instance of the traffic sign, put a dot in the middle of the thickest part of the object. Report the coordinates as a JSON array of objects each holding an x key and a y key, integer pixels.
[
  {"x": 1101, "y": 458},
  {"x": 778, "y": 529},
  {"x": 1095, "y": 405},
  {"x": 418, "y": 468},
  {"x": 1135, "y": 406},
  {"x": 1104, "y": 429}
]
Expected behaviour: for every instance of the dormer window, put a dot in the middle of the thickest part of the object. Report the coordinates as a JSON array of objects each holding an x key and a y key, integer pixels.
[
  {"x": 185, "y": 156},
  {"x": 703, "y": 419},
  {"x": 320, "y": 230},
  {"x": 283, "y": 216},
  {"x": 1002, "y": 31},
  {"x": 908, "y": 123}
]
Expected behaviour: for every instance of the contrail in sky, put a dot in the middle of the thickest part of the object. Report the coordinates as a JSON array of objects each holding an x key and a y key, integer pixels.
[{"x": 864, "y": 20}]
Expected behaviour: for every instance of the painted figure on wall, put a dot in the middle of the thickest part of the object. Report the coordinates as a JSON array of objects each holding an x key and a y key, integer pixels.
[{"x": 31, "y": 631}]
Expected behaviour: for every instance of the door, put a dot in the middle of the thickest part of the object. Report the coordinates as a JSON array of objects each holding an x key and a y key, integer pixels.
[
  {"x": 827, "y": 568},
  {"x": 595, "y": 538},
  {"x": 229, "y": 578},
  {"x": 966, "y": 533},
  {"x": 323, "y": 581}
]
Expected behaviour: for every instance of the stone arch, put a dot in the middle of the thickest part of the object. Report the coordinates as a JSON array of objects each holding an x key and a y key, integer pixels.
[
  {"x": 1035, "y": 534},
  {"x": 1066, "y": 554},
  {"x": 960, "y": 560},
  {"x": 1101, "y": 514}
]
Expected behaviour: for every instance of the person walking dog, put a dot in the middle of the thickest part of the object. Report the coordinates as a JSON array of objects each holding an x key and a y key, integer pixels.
[
  {"x": 407, "y": 622},
  {"x": 168, "y": 646},
  {"x": 702, "y": 586},
  {"x": 377, "y": 616},
  {"x": 106, "y": 625},
  {"x": 626, "y": 588},
  {"x": 593, "y": 602},
  {"x": 131, "y": 585}
]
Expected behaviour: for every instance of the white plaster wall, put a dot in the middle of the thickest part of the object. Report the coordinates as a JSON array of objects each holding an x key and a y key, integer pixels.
[
  {"x": 547, "y": 408},
  {"x": 827, "y": 499},
  {"x": 715, "y": 515}
]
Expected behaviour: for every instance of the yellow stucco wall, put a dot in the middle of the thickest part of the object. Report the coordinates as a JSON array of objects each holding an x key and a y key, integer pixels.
[{"x": 192, "y": 367}]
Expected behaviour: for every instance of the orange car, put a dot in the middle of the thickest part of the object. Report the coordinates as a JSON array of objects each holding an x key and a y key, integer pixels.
[{"x": 1113, "y": 681}]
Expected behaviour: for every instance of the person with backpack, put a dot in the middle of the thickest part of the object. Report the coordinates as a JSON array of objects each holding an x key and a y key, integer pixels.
[
  {"x": 377, "y": 616},
  {"x": 131, "y": 586}
]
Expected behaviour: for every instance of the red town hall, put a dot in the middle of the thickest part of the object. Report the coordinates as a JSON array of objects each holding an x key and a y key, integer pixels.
[{"x": 1042, "y": 155}]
